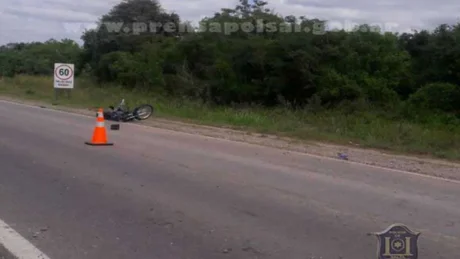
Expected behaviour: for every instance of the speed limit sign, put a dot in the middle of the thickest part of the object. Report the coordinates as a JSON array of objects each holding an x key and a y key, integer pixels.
[{"x": 63, "y": 75}]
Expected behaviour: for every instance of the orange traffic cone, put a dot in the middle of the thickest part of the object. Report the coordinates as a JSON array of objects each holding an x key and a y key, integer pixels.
[{"x": 99, "y": 134}]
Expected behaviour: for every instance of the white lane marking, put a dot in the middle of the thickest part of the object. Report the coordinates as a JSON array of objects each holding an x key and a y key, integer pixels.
[
  {"x": 17, "y": 245},
  {"x": 251, "y": 144}
]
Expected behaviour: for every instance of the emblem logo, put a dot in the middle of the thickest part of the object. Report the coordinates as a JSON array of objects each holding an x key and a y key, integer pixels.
[{"x": 397, "y": 242}]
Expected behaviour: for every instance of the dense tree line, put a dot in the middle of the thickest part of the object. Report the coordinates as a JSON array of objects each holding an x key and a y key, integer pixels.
[{"x": 289, "y": 61}]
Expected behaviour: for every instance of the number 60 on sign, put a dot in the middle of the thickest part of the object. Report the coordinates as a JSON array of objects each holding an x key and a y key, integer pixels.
[{"x": 63, "y": 75}]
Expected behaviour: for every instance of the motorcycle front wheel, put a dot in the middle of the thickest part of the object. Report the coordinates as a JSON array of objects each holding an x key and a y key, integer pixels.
[{"x": 143, "y": 111}]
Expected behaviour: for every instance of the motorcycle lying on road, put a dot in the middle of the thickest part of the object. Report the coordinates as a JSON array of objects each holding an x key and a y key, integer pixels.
[{"x": 124, "y": 114}]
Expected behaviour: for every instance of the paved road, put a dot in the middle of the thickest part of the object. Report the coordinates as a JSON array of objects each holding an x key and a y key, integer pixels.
[
  {"x": 5, "y": 254},
  {"x": 160, "y": 194}
]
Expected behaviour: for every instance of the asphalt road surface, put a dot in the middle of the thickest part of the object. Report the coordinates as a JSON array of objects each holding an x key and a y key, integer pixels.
[{"x": 168, "y": 195}]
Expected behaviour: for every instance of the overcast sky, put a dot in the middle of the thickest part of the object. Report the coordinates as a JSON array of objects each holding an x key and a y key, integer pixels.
[{"x": 39, "y": 20}]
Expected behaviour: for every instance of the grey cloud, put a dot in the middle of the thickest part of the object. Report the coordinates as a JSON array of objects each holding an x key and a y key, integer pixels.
[
  {"x": 407, "y": 13},
  {"x": 54, "y": 15},
  {"x": 38, "y": 20},
  {"x": 356, "y": 4},
  {"x": 429, "y": 22},
  {"x": 93, "y": 7}
]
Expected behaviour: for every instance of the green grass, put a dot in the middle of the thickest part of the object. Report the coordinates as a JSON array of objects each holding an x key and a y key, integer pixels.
[{"x": 367, "y": 129}]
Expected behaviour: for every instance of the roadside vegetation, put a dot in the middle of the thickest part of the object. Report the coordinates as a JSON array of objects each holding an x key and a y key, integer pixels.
[{"x": 287, "y": 75}]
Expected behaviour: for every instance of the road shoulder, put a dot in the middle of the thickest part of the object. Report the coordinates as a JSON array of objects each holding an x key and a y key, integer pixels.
[{"x": 354, "y": 153}]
